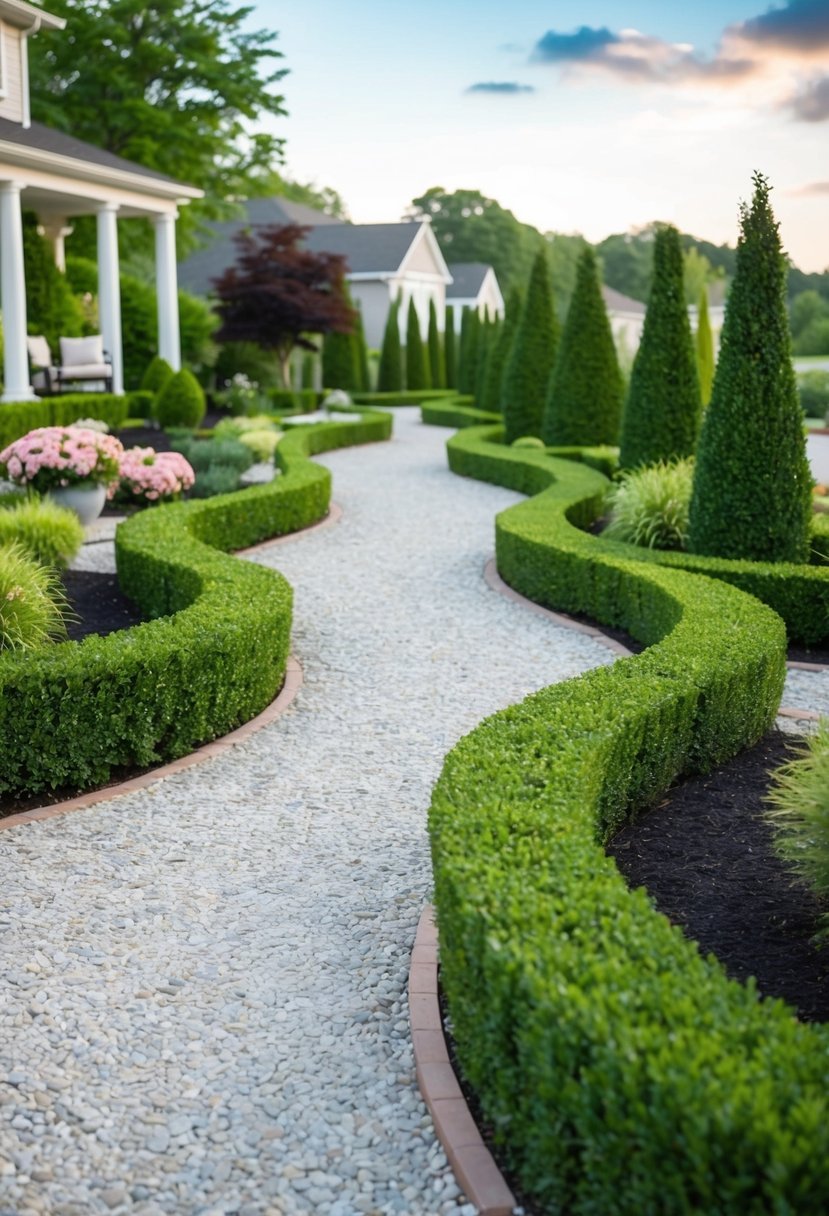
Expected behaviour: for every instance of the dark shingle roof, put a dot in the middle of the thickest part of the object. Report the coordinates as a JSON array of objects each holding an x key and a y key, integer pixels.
[
  {"x": 468, "y": 279},
  {"x": 616, "y": 302},
  {"x": 367, "y": 248},
  {"x": 46, "y": 139}
]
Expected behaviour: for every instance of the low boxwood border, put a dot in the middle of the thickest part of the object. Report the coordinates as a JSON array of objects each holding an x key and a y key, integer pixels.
[
  {"x": 72, "y": 714},
  {"x": 19, "y": 417},
  {"x": 403, "y": 397},
  {"x": 623, "y": 1072}
]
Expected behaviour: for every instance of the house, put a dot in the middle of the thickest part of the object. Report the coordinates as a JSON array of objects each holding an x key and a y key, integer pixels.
[
  {"x": 385, "y": 261},
  {"x": 59, "y": 178},
  {"x": 474, "y": 285},
  {"x": 627, "y": 319}
]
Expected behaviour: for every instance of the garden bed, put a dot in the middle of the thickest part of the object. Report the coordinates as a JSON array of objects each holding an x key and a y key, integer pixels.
[{"x": 97, "y": 604}]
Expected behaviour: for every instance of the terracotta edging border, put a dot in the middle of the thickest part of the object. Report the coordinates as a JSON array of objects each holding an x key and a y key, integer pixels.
[
  {"x": 475, "y": 1170},
  {"x": 494, "y": 580},
  {"x": 290, "y": 688}
]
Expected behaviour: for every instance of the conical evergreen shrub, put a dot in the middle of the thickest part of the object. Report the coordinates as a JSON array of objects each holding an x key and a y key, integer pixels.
[
  {"x": 339, "y": 362},
  {"x": 437, "y": 367},
  {"x": 390, "y": 372},
  {"x": 705, "y": 350},
  {"x": 752, "y": 487},
  {"x": 308, "y": 370},
  {"x": 417, "y": 368},
  {"x": 157, "y": 374},
  {"x": 363, "y": 384},
  {"x": 584, "y": 398},
  {"x": 486, "y": 338},
  {"x": 662, "y": 412},
  {"x": 468, "y": 358},
  {"x": 450, "y": 348},
  {"x": 491, "y": 398},
  {"x": 533, "y": 351}
]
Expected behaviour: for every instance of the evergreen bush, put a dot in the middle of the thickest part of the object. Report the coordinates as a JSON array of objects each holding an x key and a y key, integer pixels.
[
  {"x": 390, "y": 374},
  {"x": 649, "y": 506},
  {"x": 662, "y": 412},
  {"x": 487, "y": 337},
  {"x": 156, "y": 375},
  {"x": 704, "y": 350},
  {"x": 468, "y": 351},
  {"x": 417, "y": 371},
  {"x": 527, "y": 372},
  {"x": 752, "y": 486},
  {"x": 50, "y": 535},
  {"x": 437, "y": 368},
  {"x": 584, "y": 398},
  {"x": 450, "y": 347},
  {"x": 32, "y": 603},
  {"x": 799, "y": 813},
  {"x": 363, "y": 375},
  {"x": 492, "y": 396},
  {"x": 339, "y": 362},
  {"x": 181, "y": 401}
]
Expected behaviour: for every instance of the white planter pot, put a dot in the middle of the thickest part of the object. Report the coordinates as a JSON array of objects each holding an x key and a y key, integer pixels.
[{"x": 86, "y": 501}]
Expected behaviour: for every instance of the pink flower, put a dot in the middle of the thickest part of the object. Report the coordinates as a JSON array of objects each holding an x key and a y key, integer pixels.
[
  {"x": 155, "y": 475},
  {"x": 54, "y": 455}
]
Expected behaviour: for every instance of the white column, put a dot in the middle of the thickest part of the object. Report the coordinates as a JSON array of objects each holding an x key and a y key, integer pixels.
[
  {"x": 109, "y": 291},
  {"x": 17, "y": 386},
  {"x": 166, "y": 287},
  {"x": 56, "y": 232}
]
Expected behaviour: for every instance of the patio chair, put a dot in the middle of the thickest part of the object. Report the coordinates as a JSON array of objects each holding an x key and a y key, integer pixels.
[
  {"x": 82, "y": 361},
  {"x": 43, "y": 373}
]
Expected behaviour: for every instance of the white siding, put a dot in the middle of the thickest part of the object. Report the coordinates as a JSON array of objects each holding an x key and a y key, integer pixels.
[
  {"x": 373, "y": 297},
  {"x": 11, "y": 84}
]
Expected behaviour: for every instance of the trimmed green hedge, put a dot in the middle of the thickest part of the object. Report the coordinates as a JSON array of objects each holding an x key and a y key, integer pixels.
[
  {"x": 73, "y": 713},
  {"x": 403, "y": 397},
  {"x": 622, "y": 1070},
  {"x": 19, "y": 417}
]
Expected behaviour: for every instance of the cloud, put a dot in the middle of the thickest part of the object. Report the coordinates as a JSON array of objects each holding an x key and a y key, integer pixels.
[
  {"x": 584, "y": 44},
  {"x": 812, "y": 190},
  {"x": 811, "y": 103},
  {"x": 639, "y": 57},
  {"x": 502, "y": 88},
  {"x": 800, "y": 25}
]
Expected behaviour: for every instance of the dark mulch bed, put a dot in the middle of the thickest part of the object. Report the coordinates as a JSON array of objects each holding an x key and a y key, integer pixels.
[
  {"x": 97, "y": 603},
  {"x": 705, "y": 855}
]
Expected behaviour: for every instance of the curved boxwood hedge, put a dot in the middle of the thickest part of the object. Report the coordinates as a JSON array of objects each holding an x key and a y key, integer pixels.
[
  {"x": 19, "y": 417},
  {"x": 73, "y": 713},
  {"x": 624, "y": 1072}
]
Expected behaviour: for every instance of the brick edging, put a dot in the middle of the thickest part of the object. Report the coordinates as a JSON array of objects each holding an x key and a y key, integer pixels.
[
  {"x": 290, "y": 688},
  {"x": 470, "y": 1159}
]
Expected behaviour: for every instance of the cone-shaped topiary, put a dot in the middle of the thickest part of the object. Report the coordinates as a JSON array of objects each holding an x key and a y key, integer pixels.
[
  {"x": 450, "y": 348},
  {"x": 499, "y": 354},
  {"x": 705, "y": 350},
  {"x": 752, "y": 487},
  {"x": 339, "y": 362},
  {"x": 487, "y": 338},
  {"x": 156, "y": 375},
  {"x": 531, "y": 358},
  {"x": 308, "y": 371},
  {"x": 181, "y": 401},
  {"x": 363, "y": 384},
  {"x": 662, "y": 412},
  {"x": 390, "y": 372},
  {"x": 584, "y": 398},
  {"x": 468, "y": 353},
  {"x": 417, "y": 368},
  {"x": 437, "y": 368}
]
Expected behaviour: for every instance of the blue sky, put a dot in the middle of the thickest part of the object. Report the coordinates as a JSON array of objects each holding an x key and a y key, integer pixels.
[{"x": 592, "y": 116}]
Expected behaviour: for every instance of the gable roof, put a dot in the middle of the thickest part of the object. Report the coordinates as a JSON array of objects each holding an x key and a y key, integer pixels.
[
  {"x": 27, "y": 17},
  {"x": 468, "y": 280},
  {"x": 616, "y": 302},
  {"x": 367, "y": 248},
  {"x": 281, "y": 211}
]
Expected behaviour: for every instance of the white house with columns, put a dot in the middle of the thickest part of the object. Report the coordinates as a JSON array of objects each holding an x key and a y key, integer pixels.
[{"x": 60, "y": 178}]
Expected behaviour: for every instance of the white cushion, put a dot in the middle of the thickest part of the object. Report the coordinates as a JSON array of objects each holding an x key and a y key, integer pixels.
[
  {"x": 85, "y": 371},
  {"x": 81, "y": 351},
  {"x": 39, "y": 352},
  {"x": 39, "y": 378}
]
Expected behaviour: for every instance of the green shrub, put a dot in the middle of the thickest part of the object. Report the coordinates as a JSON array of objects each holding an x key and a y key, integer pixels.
[
  {"x": 202, "y": 453},
  {"x": 584, "y": 397},
  {"x": 663, "y": 407},
  {"x": 752, "y": 487},
  {"x": 140, "y": 403},
  {"x": 31, "y": 601},
  {"x": 340, "y": 365},
  {"x": 450, "y": 347},
  {"x": 51, "y": 307},
  {"x": 624, "y": 1071},
  {"x": 468, "y": 350},
  {"x": 390, "y": 373},
  {"x": 19, "y": 417},
  {"x": 704, "y": 348},
  {"x": 157, "y": 375},
  {"x": 48, "y": 534},
  {"x": 358, "y": 338},
  {"x": 437, "y": 366},
  {"x": 533, "y": 352},
  {"x": 215, "y": 479},
  {"x": 181, "y": 401},
  {"x": 799, "y": 812},
  {"x": 417, "y": 368},
  {"x": 649, "y": 506},
  {"x": 262, "y": 443},
  {"x": 529, "y": 441},
  {"x": 814, "y": 340},
  {"x": 813, "y": 391},
  {"x": 492, "y": 396}
]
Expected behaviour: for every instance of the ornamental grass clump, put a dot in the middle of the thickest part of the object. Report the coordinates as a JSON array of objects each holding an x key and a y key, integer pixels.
[
  {"x": 32, "y": 603},
  {"x": 798, "y": 809},
  {"x": 58, "y": 456},
  {"x": 148, "y": 476},
  {"x": 649, "y": 507},
  {"x": 50, "y": 535}
]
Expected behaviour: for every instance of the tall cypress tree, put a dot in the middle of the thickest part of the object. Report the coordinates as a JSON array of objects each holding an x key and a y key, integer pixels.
[
  {"x": 662, "y": 412},
  {"x": 390, "y": 373},
  {"x": 584, "y": 398},
  {"x": 339, "y": 363},
  {"x": 531, "y": 358},
  {"x": 752, "y": 487},
  {"x": 417, "y": 368},
  {"x": 450, "y": 348},
  {"x": 468, "y": 362},
  {"x": 437, "y": 367},
  {"x": 705, "y": 350},
  {"x": 499, "y": 354},
  {"x": 486, "y": 337},
  {"x": 361, "y": 354}
]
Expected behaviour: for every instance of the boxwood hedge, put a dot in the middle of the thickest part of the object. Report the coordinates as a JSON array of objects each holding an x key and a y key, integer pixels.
[
  {"x": 19, "y": 417},
  {"x": 623, "y": 1071},
  {"x": 73, "y": 713}
]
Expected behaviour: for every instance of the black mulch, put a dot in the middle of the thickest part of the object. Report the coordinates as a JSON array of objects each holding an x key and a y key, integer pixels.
[
  {"x": 97, "y": 604},
  {"x": 705, "y": 855}
]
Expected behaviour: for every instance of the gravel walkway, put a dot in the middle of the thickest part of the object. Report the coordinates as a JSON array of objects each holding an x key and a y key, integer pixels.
[{"x": 204, "y": 995}]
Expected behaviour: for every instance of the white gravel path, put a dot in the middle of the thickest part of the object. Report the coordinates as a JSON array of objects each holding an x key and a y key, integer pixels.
[{"x": 204, "y": 993}]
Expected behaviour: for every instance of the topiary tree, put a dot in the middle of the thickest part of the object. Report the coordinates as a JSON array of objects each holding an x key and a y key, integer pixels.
[
  {"x": 487, "y": 337},
  {"x": 662, "y": 412},
  {"x": 584, "y": 398},
  {"x": 363, "y": 384},
  {"x": 181, "y": 401},
  {"x": 491, "y": 398},
  {"x": 437, "y": 368},
  {"x": 339, "y": 362},
  {"x": 156, "y": 375},
  {"x": 417, "y": 369},
  {"x": 468, "y": 352},
  {"x": 308, "y": 371},
  {"x": 390, "y": 372},
  {"x": 450, "y": 349},
  {"x": 752, "y": 487},
  {"x": 533, "y": 351},
  {"x": 704, "y": 350}
]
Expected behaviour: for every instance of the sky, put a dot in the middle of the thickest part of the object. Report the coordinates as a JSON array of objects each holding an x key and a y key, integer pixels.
[{"x": 592, "y": 117}]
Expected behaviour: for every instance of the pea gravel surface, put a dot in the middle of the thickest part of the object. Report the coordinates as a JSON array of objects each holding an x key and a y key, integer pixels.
[{"x": 204, "y": 982}]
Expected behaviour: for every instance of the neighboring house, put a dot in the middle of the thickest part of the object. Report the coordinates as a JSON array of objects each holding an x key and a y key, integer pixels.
[
  {"x": 474, "y": 285},
  {"x": 627, "y": 317},
  {"x": 59, "y": 177},
  {"x": 384, "y": 261}
]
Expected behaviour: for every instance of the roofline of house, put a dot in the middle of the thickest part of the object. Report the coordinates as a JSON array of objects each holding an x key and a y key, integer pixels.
[
  {"x": 17, "y": 12},
  {"x": 70, "y": 166},
  {"x": 387, "y": 275},
  {"x": 425, "y": 233}
]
